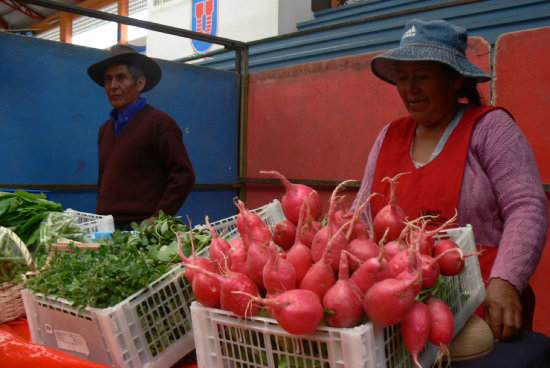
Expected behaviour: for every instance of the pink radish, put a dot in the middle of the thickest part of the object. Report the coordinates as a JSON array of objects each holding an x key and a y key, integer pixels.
[
  {"x": 388, "y": 301},
  {"x": 309, "y": 227},
  {"x": 397, "y": 245},
  {"x": 206, "y": 289},
  {"x": 278, "y": 273},
  {"x": 320, "y": 276},
  {"x": 450, "y": 263},
  {"x": 390, "y": 216},
  {"x": 362, "y": 246},
  {"x": 237, "y": 292},
  {"x": 415, "y": 329},
  {"x": 202, "y": 262},
  {"x": 297, "y": 311},
  {"x": 251, "y": 226},
  {"x": 372, "y": 270},
  {"x": 257, "y": 257},
  {"x": 344, "y": 299},
  {"x": 300, "y": 254},
  {"x": 219, "y": 249},
  {"x": 322, "y": 236},
  {"x": 284, "y": 234},
  {"x": 441, "y": 327},
  {"x": 428, "y": 243},
  {"x": 430, "y": 271},
  {"x": 295, "y": 195},
  {"x": 237, "y": 256}
]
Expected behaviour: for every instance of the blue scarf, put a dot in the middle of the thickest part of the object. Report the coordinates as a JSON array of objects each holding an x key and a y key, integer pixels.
[{"x": 122, "y": 118}]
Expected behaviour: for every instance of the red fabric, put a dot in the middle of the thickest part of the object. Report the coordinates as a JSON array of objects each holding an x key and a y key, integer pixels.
[
  {"x": 17, "y": 349},
  {"x": 432, "y": 189}
]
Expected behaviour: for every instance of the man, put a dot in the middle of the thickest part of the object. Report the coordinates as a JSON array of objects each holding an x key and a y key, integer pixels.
[{"x": 143, "y": 164}]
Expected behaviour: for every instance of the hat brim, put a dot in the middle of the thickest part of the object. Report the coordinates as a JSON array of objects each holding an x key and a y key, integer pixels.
[
  {"x": 384, "y": 66},
  {"x": 150, "y": 68}
]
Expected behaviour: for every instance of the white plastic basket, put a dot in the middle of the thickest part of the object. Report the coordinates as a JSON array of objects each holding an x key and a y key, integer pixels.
[
  {"x": 91, "y": 223},
  {"x": 151, "y": 328},
  {"x": 223, "y": 339}
]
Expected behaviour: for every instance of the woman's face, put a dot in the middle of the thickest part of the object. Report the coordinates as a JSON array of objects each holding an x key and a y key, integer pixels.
[{"x": 429, "y": 94}]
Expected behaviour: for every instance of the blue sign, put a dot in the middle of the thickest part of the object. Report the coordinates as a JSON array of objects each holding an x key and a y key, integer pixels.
[{"x": 204, "y": 19}]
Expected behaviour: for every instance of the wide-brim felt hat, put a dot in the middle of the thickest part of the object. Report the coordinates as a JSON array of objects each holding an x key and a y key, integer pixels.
[
  {"x": 435, "y": 40},
  {"x": 124, "y": 54}
]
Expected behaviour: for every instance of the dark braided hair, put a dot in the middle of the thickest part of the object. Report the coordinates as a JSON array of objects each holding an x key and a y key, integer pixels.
[{"x": 468, "y": 89}]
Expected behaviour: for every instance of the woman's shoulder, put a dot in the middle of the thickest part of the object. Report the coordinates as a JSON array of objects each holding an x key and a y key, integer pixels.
[{"x": 496, "y": 123}]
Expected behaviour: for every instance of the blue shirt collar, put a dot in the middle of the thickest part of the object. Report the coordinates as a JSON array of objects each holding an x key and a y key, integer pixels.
[{"x": 122, "y": 118}]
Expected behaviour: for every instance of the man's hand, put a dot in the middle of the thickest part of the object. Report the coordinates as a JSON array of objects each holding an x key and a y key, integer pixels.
[{"x": 503, "y": 311}]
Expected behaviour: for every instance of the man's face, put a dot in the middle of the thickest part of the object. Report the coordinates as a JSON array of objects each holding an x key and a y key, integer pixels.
[{"x": 120, "y": 86}]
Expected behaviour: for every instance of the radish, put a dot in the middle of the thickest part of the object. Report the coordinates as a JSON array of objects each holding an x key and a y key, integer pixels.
[
  {"x": 428, "y": 243},
  {"x": 202, "y": 262},
  {"x": 362, "y": 246},
  {"x": 390, "y": 216},
  {"x": 441, "y": 327},
  {"x": 322, "y": 236},
  {"x": 388, "y": 301},
  {"x": 430, "y": 271},
  {"x": 320, "y": 276},
  {"x": 295, "y": 195},
  {"x": 237, "y": 292},
  {"x": 450, "y": 263},
  {"x": 309, "y": 227},
  {"x": 397, "y": 245},
  {"x": 372, "y": 270},
  {"x": 257, "y": 257},
  {"x": 237, "y": 255},
  {"x": 251, "y": 226},
  {"x": 278, "y": 273},
  {"x": 297, "y": 311},
  {"x": 219, "y": 249},
  {"x": 300, "y": 254},
  {"x": 206, "y": 289},
  {"x": 284, "y": 234},
  {"x": 415, "y": 329},
  {"x": 344, "y": 299}
]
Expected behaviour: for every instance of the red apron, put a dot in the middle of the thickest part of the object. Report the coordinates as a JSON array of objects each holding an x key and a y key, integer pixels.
[{"x": 432, "y": 189}]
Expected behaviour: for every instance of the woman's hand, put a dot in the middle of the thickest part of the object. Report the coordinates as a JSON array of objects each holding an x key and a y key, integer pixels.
[{"x": 503, "y": 311}]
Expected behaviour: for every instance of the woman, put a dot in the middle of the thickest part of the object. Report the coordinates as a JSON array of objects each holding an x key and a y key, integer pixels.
[{"x": 462, "y": 156}]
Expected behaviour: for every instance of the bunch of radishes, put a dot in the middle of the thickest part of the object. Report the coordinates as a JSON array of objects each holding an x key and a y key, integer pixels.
[{"x": 303, "y": 272}]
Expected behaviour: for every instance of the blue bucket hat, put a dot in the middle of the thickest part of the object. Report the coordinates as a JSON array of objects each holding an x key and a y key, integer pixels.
[{"x": 435, "y": 40}]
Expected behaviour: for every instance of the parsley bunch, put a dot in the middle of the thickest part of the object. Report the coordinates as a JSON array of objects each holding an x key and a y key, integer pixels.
[{"x": 97, "y": 278}]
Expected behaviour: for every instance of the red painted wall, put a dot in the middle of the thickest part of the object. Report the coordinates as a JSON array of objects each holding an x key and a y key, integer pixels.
[
  {"x": 522, "y": 84},
  {"x": 318, "y": 120}
]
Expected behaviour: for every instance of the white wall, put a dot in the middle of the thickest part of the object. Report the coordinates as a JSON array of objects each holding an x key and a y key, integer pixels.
[{"x": 241, "y": 20}]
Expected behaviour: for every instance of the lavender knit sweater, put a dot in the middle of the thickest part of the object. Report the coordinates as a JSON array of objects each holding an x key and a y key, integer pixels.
[{"x": 501, "y": 196}]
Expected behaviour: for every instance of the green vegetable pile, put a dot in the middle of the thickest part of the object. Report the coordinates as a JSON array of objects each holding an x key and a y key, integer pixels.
[
  {"x": 124, "y": 263},
  {"x": 22, "y": 212}
]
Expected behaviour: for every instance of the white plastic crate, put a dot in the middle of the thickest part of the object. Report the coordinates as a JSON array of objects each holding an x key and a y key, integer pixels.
[
  {"x": 91, "y": 223},
  {"x": 224, "y": 340},
  {"x": 151, "y": 328}
]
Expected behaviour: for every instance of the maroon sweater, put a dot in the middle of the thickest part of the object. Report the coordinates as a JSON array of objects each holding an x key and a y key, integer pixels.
[{"x": 143, "y": 170}]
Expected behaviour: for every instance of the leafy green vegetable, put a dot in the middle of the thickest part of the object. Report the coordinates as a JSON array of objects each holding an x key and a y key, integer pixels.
[
  {"x": 97, "y": 278},
  {"x": 22, "y": 212},
  {"x": 125, "y": 263}
]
